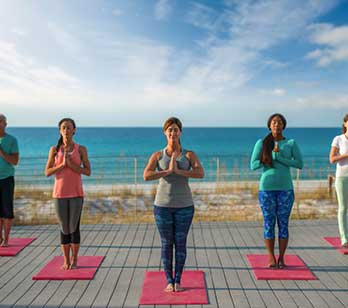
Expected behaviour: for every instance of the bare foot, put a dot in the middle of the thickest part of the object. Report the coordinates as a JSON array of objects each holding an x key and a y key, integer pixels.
[
  {"x": 65, "y": 266},
  {"x": 272, "y": 262},
  {"x": 281, "y": 264},
  {"x": 177, "y": 288},
  {"x": 4, "y": 243},
  {"x": 345, "y": 245},
  {"x": 169, "y": 288},
  {"x": 73, "y": 265}
]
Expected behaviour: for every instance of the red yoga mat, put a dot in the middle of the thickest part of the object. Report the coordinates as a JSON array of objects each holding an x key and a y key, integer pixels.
[
  {"x": 192, "y": 281},
  {"x": 15, "y": 245},
  {"x": 86, "y": 268},
  {"x": 295, "y": 269},
  {"x": 336, "y": 243}
]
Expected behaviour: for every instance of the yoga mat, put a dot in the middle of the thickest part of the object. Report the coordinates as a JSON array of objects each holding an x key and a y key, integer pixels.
[
  {"x": 295, "y": 269},
  {"x": 192, "y": 281},
  {"x": 15, "y": 246},
  {"x": 336, "y": 243},
  {"x": 86, "y": 269}
]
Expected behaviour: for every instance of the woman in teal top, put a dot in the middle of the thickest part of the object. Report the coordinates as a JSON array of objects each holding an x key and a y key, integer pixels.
[{"x": 275, "y": 155}]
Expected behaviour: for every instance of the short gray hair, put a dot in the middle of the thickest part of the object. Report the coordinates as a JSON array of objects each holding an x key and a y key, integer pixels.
[{"x": 3, "y": 117}]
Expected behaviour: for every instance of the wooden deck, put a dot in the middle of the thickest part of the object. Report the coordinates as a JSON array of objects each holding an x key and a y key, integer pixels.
[{"x": 218, "y": 249}]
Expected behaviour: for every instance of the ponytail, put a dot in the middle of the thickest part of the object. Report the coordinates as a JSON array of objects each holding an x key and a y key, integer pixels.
[
  {"x": 267, "y": 148},
  {"x": 59, "y": 143}
]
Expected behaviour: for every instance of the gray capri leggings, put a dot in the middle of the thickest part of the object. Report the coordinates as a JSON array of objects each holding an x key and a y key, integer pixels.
[{"x": 69, "y": 214}]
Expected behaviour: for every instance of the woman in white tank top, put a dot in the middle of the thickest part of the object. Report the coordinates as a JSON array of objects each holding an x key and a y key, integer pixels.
[{"x": 339, "y": 155}]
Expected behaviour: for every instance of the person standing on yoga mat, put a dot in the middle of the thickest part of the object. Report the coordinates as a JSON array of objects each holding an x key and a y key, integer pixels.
[
  {"x": 275, "y": 155},
  {"x": 9, "y": 157},
  {"x": 173, "y": 206},
  {"x": 68, "y": 160},
  {"x": 339, "y": 155}
]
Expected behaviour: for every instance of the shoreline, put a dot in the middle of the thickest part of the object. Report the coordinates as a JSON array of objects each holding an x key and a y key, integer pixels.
[{"x": 300, "y": 184}]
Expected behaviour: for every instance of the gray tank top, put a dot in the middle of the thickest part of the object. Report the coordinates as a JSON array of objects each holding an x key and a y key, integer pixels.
[{"x": 173, "y": 190}]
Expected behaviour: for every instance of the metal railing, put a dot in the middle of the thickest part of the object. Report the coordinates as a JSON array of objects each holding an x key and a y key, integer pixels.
[{"x": 116, "y": 191}]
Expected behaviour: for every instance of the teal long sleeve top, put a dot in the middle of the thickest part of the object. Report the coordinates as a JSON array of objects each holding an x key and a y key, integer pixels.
[{"x": 277, "y": 177}]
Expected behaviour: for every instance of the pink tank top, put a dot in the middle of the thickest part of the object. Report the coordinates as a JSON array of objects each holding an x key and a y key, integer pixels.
[{"x": 68, "y": 183}]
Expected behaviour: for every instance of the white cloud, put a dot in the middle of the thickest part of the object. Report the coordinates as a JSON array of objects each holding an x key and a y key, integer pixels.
[
  {"x": 130, "y": 73},
  {"x": 273, "y": 92},
  {"x": 202, "y": 16},
  {"x": 307, "y": 84},
  {"x": 239, "y": 36},
  {"x": 325, "y": 101},
  {"x": 24, "y": 81},
  {"x": 66, "y": 39},
  {"x": 162, "y": 9},
  {"x": 333, "y": 41},
  {"x": 19, "y": 32},
  {"x": 117, "y": 12}
]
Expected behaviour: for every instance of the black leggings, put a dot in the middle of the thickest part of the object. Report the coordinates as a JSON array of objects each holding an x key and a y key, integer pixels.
[
  {"x": 69, "y": 215},
  {"x": 73, "y": 238}
]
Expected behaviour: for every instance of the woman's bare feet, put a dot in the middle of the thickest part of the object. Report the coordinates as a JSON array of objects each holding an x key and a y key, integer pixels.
[
  {"x": 272, "y": 262},
  {"x": 169, "y": 288},
  {"x": 65, "y": 266},
  {"x": 4, "y": 243},
  {"x": 73, "y": 263},
  {"x": 345, "y": 245},
  {"x": 281, "y": 264},
  {"x": 177, "y": 288}
]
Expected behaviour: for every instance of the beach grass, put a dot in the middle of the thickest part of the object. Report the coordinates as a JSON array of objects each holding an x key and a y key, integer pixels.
[{"x": 222, "y": 201}]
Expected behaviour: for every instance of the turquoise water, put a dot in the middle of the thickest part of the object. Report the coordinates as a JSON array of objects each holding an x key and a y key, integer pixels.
[{"x": 113, "y": 151}]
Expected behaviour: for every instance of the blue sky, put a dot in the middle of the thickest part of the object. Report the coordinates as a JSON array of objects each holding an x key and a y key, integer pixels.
[{"x": 211, "y": 63}]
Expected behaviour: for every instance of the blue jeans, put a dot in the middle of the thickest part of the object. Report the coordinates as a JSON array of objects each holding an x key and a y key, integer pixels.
[
  {"x": 173, "y": 225},
  {"x": 276, "y": 204}
]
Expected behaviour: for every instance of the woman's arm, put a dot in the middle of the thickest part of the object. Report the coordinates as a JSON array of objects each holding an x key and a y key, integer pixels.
[
  {"x": 335, "y": 156},
  {"x": 150, "y": 172},
  {"x": 50, "y": 167},
  {"x": 255, "y": 162},
  {"x": 10, "y": 158},
  {"x": 296, "y": 160},
  {"x": 197, "y": 169},
  {"x": 86, "y": 166}
]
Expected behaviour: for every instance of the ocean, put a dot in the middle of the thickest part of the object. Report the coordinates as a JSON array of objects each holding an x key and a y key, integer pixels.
[{"x": 118, "y": 154}]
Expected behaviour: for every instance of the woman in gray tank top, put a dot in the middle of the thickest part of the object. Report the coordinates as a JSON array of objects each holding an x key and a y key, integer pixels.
[{"x": 173, "y": 206}]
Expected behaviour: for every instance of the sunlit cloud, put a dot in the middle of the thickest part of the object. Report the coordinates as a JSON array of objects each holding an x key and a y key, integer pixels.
[
  {"x": 162, "y": 9},
  {"x": 333, "y": 41}
]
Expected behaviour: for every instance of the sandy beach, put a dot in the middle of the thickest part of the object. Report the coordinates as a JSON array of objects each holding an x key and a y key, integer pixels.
[{"x": 214, "y": 201}]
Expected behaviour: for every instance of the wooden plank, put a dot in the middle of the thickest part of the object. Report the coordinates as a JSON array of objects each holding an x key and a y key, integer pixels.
[
  {"x": 28, "y": 285},
  {"x": 96, "y": 285}
]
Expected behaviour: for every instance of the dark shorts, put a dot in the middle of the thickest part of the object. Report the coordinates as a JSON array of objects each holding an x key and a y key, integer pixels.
[{"x": 6, "y": 197}]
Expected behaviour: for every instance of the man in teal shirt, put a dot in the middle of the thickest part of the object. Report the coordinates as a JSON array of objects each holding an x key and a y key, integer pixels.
[{"x": 8, "y": 159}]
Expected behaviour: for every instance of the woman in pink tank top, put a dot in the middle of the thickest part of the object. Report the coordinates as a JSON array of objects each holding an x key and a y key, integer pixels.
[{"x": 68, "y": 161}]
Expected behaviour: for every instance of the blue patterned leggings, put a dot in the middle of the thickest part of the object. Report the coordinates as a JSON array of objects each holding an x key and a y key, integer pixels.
[
  {"x": 276, "y": 204},
  {"x": 173, "y": 225}
]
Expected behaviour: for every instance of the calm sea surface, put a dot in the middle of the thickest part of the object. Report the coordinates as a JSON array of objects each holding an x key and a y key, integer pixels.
[{"x": 118, "y": 155}]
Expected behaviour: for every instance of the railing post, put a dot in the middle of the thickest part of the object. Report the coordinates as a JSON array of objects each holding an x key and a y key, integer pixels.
[
  {"x": 217, "y": 173},
  {"x": 135, "y": 186}
]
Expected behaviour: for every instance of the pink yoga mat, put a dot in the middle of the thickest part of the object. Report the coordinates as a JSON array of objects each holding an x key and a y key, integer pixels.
[
  {"x": 295, "y": 269},
  {"x": 15, "y": 246},
  {"x": 336, "y": 243},
  {"x": 86, "y": 268},
  {"x": 155, "y": 282}
]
